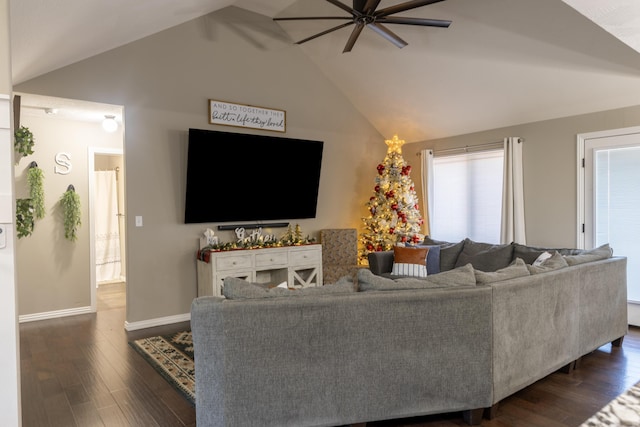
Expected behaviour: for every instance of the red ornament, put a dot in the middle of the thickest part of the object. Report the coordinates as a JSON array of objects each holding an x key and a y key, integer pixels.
[
  {"x": 377, "y": 188},
  {"x": 392, "y": 230},
  {"x": 404, "y": 239},
  {"x": 394, "y": 206},
  {"x": 404, "y": 219},
  {"x": 379, "y": 248},
  {"x": 372, "y": 198},
  {"x": 415, "y": 239},
  {"x": 369, "y": 247}
]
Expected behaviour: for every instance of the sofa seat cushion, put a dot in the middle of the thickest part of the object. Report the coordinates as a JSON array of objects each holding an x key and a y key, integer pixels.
[
  {"x": 517, "y": 268},
  {"x": 236, "y": 288},
  {"x": 485, "y": 256},
  {"x": 554, "y": 262},
  {"x": 459, "y": 277}
]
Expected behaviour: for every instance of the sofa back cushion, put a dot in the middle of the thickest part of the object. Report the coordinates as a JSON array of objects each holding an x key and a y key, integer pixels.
[
  {"x": 236, "y": 288},
  {"x": 530, "y": 253},
  {"x": 459, "y": 277},
  {"x": 517, "y": 268},
  {"x": 485, "y": 256},
  {"x": 554, "y": 262},
  {"x": 590, "y": 255},
  {"x": 449, "y": 252}
]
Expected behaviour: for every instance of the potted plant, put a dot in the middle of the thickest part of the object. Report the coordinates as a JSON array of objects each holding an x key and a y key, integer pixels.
[
  {"x": 23, "y": 142},
  {"x": 24, "y": 217},
  {"x": 35, "y": 179},
  {"x": 71, "y": 210}
]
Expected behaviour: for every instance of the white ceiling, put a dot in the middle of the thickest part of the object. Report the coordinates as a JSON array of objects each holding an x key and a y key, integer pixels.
[{"x": 500, "y": 63}]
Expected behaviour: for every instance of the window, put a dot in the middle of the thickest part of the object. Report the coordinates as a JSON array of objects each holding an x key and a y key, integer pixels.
[{"x": 467, "y": 196}]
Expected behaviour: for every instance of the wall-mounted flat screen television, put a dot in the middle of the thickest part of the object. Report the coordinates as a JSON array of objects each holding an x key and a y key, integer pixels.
[{"x": 241, "y": 177}]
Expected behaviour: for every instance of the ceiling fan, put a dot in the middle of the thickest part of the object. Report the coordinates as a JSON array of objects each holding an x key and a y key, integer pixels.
[{"x": 364, "y": 13}]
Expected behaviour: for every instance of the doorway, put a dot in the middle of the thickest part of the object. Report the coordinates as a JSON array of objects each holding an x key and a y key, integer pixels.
[
  {"x": 107, "y": 227},
  {"x": 611, "y": 200}
]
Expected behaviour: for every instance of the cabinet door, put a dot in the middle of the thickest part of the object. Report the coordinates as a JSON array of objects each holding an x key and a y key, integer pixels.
[{"x": 304, "y": 276}]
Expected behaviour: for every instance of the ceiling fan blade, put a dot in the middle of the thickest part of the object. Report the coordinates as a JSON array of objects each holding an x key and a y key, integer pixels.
[
  {"x": 354, "y": 36},
  {"x": 388, "y": 34},
  {"x": 325, "y": 32},
  {"x": 370, "y": 6},
  {"x": 345, "y": 7},
  {"x": 301, "y": 18},
  {"x": 404, "y": 6},
  {"x": 414, "y": 21}
]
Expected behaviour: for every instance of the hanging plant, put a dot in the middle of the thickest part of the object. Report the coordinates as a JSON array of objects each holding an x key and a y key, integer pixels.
[
  {"x": 23, "y": 142},
  {"x": 35, "y": 179},
  {"x": 71, "y": 206},
  {"x": 24, "y": 217}
]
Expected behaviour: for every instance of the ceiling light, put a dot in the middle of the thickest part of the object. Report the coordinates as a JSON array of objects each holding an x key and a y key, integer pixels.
[
  {"x": 109, "y": 123},
  {"x": 51, "y": 111}
]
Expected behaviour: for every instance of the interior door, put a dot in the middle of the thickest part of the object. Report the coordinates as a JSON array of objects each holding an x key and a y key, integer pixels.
[{"x": 612, "y": 201}]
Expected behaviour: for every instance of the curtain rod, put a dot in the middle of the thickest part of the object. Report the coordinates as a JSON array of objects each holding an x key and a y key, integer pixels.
[{"x": 466, "y": 148}]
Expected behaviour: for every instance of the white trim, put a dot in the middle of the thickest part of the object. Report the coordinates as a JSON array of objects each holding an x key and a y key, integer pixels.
[
  {"x": 160, "y": 321},
  {"x": 580, "y": 191},
  {"x": 92, "y": 151},
  {"x": 581, "y": 140},
  {"x": 54, "y": 314}
]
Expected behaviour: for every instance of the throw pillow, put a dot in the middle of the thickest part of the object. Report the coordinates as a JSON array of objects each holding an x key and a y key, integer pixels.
[
  {"x": 542, "y": 258},
  {"x": 235, "y": 288},
  {"x": 433, "y": 257},
  {"x": 410, "y": 261},
  {"x": 485, "y": 256},
  {"x": 517, "y": 268},
  {"x": 555, "y": 262},
  {"x": 596, "y": 254}
]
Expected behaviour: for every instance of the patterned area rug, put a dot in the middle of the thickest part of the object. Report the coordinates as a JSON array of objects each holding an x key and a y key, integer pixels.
[
  {"x": 624, "y": 410},
  {"x": 172, "y": 357}
]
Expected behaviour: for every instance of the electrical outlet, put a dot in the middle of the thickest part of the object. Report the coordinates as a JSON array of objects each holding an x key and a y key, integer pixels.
[{"x": 138, "y": 221}]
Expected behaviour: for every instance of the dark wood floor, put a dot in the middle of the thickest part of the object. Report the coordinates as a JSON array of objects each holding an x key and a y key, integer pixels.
[{"x": 80, "y": 371}]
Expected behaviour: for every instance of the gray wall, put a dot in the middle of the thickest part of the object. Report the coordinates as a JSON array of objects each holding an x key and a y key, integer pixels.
[
  {"x": 163, "y": 82},
  {"x": 54, "y": 273},
  {"x": 550, "y": 168}
]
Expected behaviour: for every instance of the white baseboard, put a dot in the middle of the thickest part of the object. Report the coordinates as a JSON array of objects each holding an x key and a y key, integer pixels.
[
  {"x": 54, "y": 314},
  {"x": 161, "y": 321},
  {"x": 633, "y": 313}
]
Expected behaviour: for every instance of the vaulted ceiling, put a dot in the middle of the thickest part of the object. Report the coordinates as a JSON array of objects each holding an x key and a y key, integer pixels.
[{"x": 500, "y": 63}]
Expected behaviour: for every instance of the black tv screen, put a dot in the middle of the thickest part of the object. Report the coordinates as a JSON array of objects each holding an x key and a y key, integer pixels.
[{"x": 242, "y": 177}]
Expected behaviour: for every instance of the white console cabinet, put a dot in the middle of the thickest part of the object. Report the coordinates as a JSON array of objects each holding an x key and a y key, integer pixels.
[{"x": 299, "y": 266}]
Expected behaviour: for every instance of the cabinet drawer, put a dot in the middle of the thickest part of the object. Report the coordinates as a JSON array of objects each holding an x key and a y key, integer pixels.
[
  {"x": 267, "y": 260},
  {"x": 233, "y": 262},
  {"x": 304, "y": 257}
]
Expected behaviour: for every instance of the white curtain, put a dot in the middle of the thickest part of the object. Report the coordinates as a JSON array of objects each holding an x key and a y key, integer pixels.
[
  {"x": 427, "y": 189},
  {"x": 107, "y": 237},
  {"x": 513, "y": 229}
]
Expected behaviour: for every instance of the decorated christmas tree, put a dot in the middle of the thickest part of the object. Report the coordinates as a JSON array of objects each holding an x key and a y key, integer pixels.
[{"x": 394, "y": 214}]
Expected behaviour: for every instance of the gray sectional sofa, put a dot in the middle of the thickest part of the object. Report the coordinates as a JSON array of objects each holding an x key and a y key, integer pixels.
[{"x": 385, "y": 347}]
